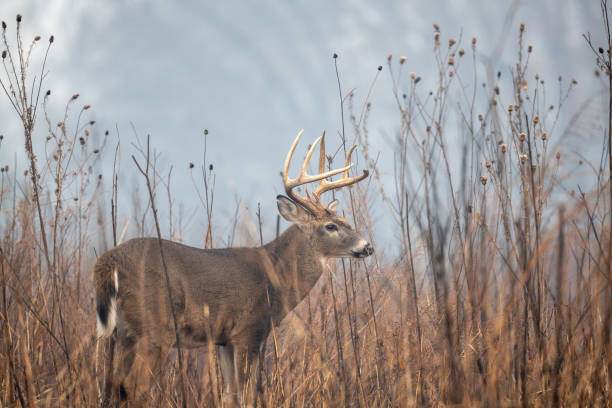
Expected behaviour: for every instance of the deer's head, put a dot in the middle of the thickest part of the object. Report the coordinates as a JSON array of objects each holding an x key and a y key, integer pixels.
[{"x": 330, "y": 233}]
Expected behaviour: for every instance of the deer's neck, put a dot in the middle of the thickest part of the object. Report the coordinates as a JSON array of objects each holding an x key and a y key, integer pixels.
[{"x": 297, "y": 265}]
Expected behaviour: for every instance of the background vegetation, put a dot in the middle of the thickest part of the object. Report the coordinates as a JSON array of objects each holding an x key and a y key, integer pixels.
[{"x": 502, "y": 294}]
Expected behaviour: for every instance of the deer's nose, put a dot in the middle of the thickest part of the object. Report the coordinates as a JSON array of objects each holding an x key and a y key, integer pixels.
[{"x": 367, "y": 250}]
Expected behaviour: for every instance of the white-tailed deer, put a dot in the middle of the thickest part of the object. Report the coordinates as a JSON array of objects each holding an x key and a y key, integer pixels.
[{"x": 227, "y": 296}]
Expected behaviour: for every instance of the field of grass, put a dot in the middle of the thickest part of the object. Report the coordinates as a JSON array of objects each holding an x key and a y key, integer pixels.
[{"x": 502, "y": 294}]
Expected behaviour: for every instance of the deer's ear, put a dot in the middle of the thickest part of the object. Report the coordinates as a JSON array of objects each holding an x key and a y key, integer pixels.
[
  {"x": 291, "y": 211},
  {"x": 332, "y": 206}
]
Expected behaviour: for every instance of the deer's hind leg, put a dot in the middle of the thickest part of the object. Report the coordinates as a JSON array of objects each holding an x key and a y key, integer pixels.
[
  {"x": 138, "y": 365},
  {"x": 125, "y": 353}
]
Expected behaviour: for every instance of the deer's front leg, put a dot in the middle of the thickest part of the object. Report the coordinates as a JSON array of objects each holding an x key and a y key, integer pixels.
[
  {"x": 246, "y": 360},
  {"x": 227, "y": 364}
]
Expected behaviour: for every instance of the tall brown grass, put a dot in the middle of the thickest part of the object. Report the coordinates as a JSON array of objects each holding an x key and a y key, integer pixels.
[{"x": 501, "y": 294}]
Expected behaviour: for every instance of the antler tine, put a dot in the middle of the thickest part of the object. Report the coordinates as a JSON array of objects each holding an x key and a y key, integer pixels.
[
  {"x": 325, "y": 185},
  {"x": 286, "y": 178},
  {"x": 322, "y": 154}
]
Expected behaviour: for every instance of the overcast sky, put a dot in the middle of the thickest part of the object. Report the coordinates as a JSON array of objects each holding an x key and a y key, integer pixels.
[{"x": 255, "y": 73}]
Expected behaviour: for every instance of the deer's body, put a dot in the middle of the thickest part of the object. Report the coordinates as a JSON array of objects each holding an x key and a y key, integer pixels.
[
  {"x": 220, "y": 295},
  {"x": 229, "y": 297}
]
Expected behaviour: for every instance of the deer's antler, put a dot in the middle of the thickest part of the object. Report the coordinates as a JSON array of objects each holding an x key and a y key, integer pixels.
[{"x": 314, "y": 204}]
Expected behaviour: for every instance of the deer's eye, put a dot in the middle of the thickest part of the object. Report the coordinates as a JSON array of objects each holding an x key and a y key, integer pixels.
[{"x": 331, "y": 227}]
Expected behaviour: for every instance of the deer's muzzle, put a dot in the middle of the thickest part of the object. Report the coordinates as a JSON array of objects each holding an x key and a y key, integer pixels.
[{"x": 365, "y": 252}]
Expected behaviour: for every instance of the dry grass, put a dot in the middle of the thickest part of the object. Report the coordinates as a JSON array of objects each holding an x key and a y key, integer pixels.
[{"x": 502, "y": 295}]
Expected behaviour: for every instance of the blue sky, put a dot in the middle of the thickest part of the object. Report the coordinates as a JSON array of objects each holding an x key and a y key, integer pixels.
[{"x": 255, "y": 73}]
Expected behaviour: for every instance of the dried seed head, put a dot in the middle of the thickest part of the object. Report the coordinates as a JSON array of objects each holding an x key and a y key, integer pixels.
[
  {"x": 558, "y": 155},
  {"x": 480, "y": 117},
  {"x": 81, "y": 140},
  {"x": 437, "y": 35},
  {"x": 522, "y": 27},
  {"x": 560, "y": 78},
  {"x": 25, "y": 172},
  {"x": 60, "y": 124},
  {"x": 523, "y": 158},
  {"x": 3, "y": 54},
  {"x": 48, "y": 138},
  {"x": 3, "y": 25},
  {"x": 580, "y": 162},
  {"x": 522, "y": 136},
  {"x": 536, "y": 119},
  {"x": 380, "y": 67},
  {"x": 335, "y": 55},
  {"x": 473, "y": 40},
  {"x": 402, "y": 59},
  {"x": 597, "y": 73},
  {"x": 412, "y": 75},
  {"x": 190, "y": 165},
  {"x": 92, "y": 122},
  {"x": 529, "y": 48},
  {"x": 417, "y": 79},
  {"x": 205, "y": 131},
  {"x": 574, "y": 82},
  {"x": 389, "y": 57},
  {"x": 510, "y": 108},
  {"x": 37, "y": 38},
  {"x": 86, "y": 107},
  {"x": 544, "y": 136},
  {"x": 86, "y": 132},
  {"x": 96, "y": 151},
  {"x": 19, "y": 17},
  {"x": 483, "y": 180},
  {"x": 494, "y": 102},
  {"x": 504, "y": 147},
  {"x": 210, "y": 167},
  {"x": 75, "y": 96},
  {"x": 488, "y": 164},
  {"x": 601, "y": 50},
  {"x": 451, "y": 42},
  {"x": 451, "y": 61},
  {"x": 48, "y": 92},
  {"x": 496, "y": 89},
  {"x": 51, "y": 39},
  {"x": 1, "y": 137},
  {"x": 436, "y": 27},
  {"x": 461, "y": 52},
  {"x": 450, "y": 74},
  {"x": 537, "y": 77}
]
